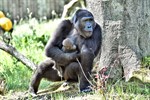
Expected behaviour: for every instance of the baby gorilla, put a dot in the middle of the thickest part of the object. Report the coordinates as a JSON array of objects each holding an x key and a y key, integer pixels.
[{"x": 68, "y": 46}]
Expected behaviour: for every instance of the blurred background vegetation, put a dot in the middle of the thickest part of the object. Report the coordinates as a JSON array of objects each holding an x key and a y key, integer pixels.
[{"x": 30, "y": 42}]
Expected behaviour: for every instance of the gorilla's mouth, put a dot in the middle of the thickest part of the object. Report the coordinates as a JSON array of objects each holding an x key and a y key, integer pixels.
[{"x": 88, "y": 34}]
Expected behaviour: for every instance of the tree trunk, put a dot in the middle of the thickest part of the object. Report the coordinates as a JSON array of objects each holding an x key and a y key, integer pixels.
[{"x": 126, "y": 34}]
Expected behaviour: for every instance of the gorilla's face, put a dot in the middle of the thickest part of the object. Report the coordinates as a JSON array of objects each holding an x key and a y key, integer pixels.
[
  {"x": 87, "y": 26},
  {"x": 84, "y": 23}
]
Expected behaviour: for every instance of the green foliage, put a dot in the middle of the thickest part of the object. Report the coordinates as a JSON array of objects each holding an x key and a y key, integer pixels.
[
  {"x": 14, "y": 72},
  {"x": 29, "y": 38},
  {"x": 146, "y": 62}
]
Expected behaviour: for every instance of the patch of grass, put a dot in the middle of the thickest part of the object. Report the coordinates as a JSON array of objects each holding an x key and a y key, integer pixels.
[
  {"x": 29, "y": 38},
  {"x": 118, "y": 91},
  {"x": 44, "y": 84},
  {"x": 146, "y": 62},
  {"x": 15, "y": 73},
  {"x": 133, "y": 87}
]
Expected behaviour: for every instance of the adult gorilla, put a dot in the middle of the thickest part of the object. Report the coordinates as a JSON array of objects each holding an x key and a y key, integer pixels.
[{"x": 86, "y": 34}]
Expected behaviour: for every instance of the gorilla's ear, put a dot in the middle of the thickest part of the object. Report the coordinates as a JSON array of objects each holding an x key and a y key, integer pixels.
[
  {"x": 74, "y": 19},
  {"x": 75, "y": 16}
]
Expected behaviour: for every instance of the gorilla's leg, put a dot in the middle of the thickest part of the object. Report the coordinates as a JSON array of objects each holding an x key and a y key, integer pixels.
[
  {"x": 35, "y": 81},
  {"x": 75, "y": 72},
  {"x": 86, "y": 58},
  {"x": 44, "y": 70},
  {"x": 71, "y": 72}
]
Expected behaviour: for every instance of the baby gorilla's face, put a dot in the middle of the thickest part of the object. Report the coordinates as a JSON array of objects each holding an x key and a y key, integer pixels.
[
  {"x": 70, "y": 47},
  {"x": 68, "y": 44}
]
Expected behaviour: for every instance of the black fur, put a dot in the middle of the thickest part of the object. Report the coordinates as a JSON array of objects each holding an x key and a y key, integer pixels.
[{"x": 88, "y": 45}]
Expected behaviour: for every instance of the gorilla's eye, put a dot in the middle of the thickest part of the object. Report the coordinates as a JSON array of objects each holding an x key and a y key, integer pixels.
[
  {"x": 87, "y": 19},
  {"x": 91, "y": 19}
]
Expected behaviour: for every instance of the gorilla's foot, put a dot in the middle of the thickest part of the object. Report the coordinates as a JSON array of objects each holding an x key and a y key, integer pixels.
[
  {"x": 65, "y": 84},
  {"x": 85, "y": 90},
  {"x": 31, "y": 92}
]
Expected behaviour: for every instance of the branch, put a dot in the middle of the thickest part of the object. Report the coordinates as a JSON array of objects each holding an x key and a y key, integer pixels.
[
  {"x": 67, "y": 6},
  {"x": 12, "y": 51}
]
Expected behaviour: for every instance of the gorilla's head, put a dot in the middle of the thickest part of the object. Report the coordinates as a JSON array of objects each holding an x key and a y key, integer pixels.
[{"x": 84, "y": 23}]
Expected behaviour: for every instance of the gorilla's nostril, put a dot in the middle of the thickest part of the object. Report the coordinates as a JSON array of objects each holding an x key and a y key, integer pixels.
[{"x": 89, "y": 26}]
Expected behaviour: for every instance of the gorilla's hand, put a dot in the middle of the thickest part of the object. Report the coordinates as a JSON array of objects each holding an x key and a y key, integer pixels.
[
  {"x": 66, "y": 58},
  {"x": 71, "y": 56}
]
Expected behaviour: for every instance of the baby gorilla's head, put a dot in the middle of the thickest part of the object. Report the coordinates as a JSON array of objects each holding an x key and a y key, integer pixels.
[{"x": 68, "y": 45}]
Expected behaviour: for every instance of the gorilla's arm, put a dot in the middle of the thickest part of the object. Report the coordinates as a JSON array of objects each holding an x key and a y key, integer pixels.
[
  {"x": 93, "y": 44},
  {"x": 88, "y": 52},
  {"x": 58, "y": 55},
  {"x": 98, "y": 39},
  {"x": 54, "y": 45}
]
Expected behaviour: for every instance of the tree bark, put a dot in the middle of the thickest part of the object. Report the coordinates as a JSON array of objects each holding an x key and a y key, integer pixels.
[
  {"x": 12, "y": 51},
  {"x": 126, "y": 34}
]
